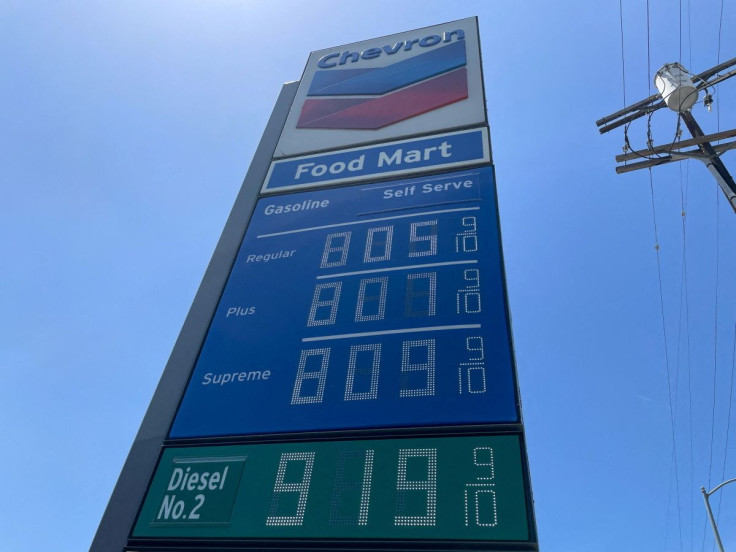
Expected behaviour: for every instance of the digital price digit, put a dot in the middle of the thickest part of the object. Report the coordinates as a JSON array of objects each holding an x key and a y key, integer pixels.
[
  {"x": 365, "y": 369},
  {"x": 423, "y": 243},
  {"x": 413, "y": 385},
  {"x": 423, "y": 484},
  {"x": 281, "y": 488},
  {"x": 372, "y": 292},
  {"x": 421, "y": 294},
  {"x": 346, "y": 487},
  {"x": 377, "y": 242}
]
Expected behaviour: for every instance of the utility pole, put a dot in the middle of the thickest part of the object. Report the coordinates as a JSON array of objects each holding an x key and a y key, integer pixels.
[{"x": 678, "y": 92}]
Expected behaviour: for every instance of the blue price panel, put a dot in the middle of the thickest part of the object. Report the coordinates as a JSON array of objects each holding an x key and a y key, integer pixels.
[{"x": 371, "y": 306}]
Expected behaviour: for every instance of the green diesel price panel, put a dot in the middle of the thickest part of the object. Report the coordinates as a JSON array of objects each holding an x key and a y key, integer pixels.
[{"x": 444, "y": 488}]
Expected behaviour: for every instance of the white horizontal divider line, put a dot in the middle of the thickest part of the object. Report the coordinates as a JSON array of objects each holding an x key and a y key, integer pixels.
[
  {"x": 393, "y": 268},
  {"x": 368, "y": 221},
  {"x": 389, "y": 332}
]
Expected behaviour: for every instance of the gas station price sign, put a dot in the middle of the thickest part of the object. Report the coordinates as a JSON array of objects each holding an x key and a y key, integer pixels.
[
  {"x": 345, "y": 379},
  {"x": 443, "y": 488},
  {"x": 369, "y": 306}
]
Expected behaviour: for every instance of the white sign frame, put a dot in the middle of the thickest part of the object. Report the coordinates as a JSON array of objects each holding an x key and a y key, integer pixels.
[{"x": 460, "y": 114}]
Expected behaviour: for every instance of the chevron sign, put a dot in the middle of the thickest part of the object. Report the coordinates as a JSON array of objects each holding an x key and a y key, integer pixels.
[
  {"x": 385, "y": 89},
  {"x": 386, "y": 95}
]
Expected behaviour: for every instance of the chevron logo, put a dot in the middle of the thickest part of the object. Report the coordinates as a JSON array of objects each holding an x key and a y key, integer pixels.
[{"x": 370, "y": 99}]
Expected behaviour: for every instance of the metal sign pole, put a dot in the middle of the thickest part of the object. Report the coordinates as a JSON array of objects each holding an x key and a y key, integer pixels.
[
  {"x": 712, "y": 520},
  {"x": 706, "y": 495},
  {"x": 118, "y": 519}
]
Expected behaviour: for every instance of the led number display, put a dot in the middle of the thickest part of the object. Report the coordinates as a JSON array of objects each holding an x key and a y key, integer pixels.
[
  {"x": 448, "y": 488},
  {"x": 369, "y": 306}
]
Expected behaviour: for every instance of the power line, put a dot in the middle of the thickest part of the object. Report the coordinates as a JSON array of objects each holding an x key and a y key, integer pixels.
[
  {"x": 683, "y": 200},
  {"x": 718, "y": 128},
  {"x": 661, "y": 296},
  {"x": 623, "y": 60},
  {"x": 715, "y": 349},
  {"x": 720, "y": 28},
  {"x": 684, "y": 299},
  {"x": 728, "y": 420},
  {"x": 666, "y": 356}
]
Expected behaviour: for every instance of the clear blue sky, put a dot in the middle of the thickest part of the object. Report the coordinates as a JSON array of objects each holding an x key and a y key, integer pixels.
[{"x": 126, "y": 129}]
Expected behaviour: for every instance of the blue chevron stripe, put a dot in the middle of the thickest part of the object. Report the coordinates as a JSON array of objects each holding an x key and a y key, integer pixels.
[{"x": 347, "y": 82}]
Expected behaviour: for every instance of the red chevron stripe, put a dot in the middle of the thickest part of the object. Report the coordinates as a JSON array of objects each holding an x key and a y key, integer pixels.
[{"x": 375, "y": 113}]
